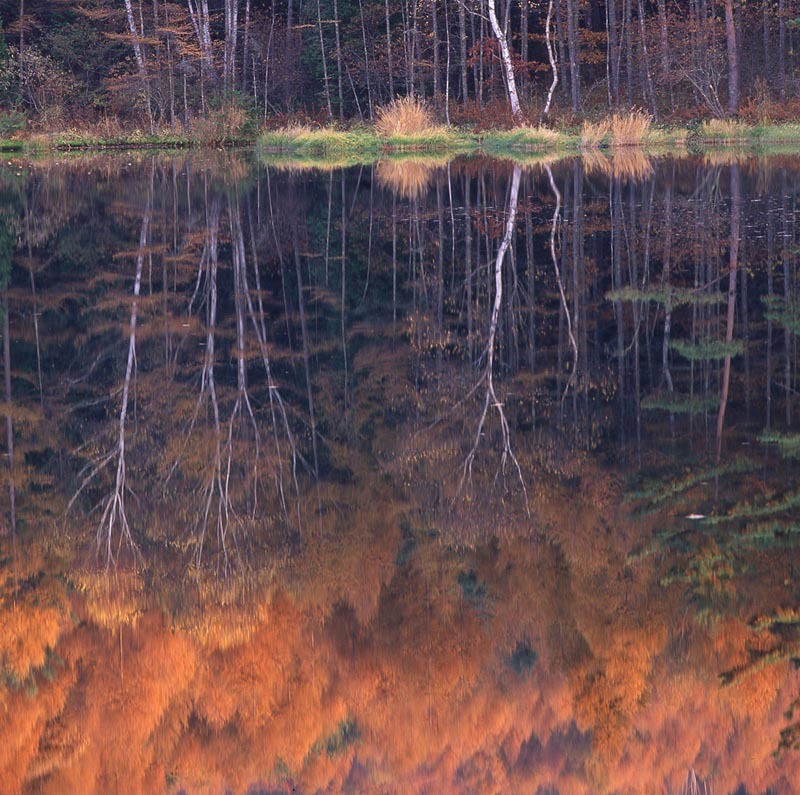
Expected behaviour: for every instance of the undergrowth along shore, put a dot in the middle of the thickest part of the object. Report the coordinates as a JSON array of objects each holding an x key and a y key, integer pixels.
[
  {"x": 614, "y": 132},
  {"x": 631, "y": 130}
]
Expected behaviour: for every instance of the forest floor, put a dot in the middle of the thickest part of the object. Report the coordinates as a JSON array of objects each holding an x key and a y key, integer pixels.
[{"x": 361, "y": 143}]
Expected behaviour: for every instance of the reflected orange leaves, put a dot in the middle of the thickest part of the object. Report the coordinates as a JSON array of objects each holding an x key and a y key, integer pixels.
[
  {"x": 513, "y": 678},
  {"x": 380, "y": 629}
]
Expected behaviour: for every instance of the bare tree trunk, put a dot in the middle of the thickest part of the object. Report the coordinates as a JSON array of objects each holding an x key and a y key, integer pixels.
[
  {"x": 447, "y": 66},
  {"x": 325, "y": 84},
  {"x": 231, "y": 39},
  {"x": 733, "y": 59},
  {"x": 407, "y": 51},
  {"x": 198, "y": 13},
  {"x": 21, "y": 47},
  {"x": 170, "y": 70},
  {"x": 612, "y": 61},
  {"x": 551, "y": 58},
  {"x": 246, "y": 50},
  {"x": 574, "y": 55},
  {"x": 508, "y": 68},
  {"x": 267, "y": 63},
  {"x": 462, "y": 35},
  {"x": 666, "y": 74},
  {"x": 141, "y": 65},
  {"x": 782, "y": 49},
  {"x": 479, "y": 63},
  {"x": 646, "y": 62},
  {"x": 523, "y": 14},
  {"x": 414, "y": 48},
  {"x": 338, "y": 58},
  {"x": 366, "y": 62},
  {"x": 389, "y": 63},
  {"x": 627, "y": 38},
  {"x": 436, "y": 65}
]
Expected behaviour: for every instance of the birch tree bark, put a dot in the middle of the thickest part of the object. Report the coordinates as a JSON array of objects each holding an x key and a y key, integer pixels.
[
  {"x": 231, "y": 40},
  {"x": 141, "y": 65},
  {"x": 508, "y": 68},
  {"x": 551, "y": 57}
]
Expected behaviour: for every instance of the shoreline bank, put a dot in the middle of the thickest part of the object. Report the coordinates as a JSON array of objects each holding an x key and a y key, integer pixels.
[{"x": 607, "y": 135}]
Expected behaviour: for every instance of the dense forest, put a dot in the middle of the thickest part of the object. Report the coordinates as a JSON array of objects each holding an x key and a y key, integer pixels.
[{"x": 163, "y": 64}]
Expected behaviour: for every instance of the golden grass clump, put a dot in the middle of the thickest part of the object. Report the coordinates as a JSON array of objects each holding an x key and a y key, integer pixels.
[
  {"x": 537, "y": 136},
  {"x": 620, "y": 129},
  {"x": 630, "y": 129},
  {"x": 404, "y": 116},
  {"x": 595, "y": 133}
]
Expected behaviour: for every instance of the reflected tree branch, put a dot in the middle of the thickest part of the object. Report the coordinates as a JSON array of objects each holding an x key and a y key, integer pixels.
[
  {"x": 554, "y": 228},
  {"x": 490, "y": 399}
]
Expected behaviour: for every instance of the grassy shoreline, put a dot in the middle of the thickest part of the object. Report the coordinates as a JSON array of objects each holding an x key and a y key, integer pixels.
[{"x": 629, "y": 132}]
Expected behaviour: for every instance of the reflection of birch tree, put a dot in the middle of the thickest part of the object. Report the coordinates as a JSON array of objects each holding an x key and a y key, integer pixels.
[
  {"x": 229, "y": 461},
  {"x": 214, "y": 486},
  {"x": 490, "y": 399},
  {"x": 554, "y": 227},
  {"x": 113, "y": 528},
  {"x": 733, "y": 268},
  {"x": 213, "y": 508}
]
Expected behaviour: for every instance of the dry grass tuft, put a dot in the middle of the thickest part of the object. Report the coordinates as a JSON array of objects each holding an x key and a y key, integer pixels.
[
  {"x": 595, "y": 133},
  {"x": 405, "y": 116},
  {"x": 541, "y": 135},
  {"x": 630, "y": 129}
]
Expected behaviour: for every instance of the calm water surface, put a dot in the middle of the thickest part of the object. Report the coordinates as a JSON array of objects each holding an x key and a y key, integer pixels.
[{"x": 470, "y": 477}]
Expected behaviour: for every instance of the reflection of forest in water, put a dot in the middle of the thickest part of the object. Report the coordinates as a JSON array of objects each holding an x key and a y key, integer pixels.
[{"x": 379, "y": 478}]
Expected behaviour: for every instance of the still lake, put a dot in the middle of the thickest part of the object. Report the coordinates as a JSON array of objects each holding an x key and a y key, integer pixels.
[{"x": 420, "y": 476}]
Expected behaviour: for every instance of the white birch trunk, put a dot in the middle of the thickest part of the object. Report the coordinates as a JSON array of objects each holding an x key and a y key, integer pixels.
[
  {"x": 551, "y": 56},
  {"x": 508, "y": 68}
]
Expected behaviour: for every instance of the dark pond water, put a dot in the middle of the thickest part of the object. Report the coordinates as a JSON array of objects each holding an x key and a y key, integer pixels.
[{"x": 471, "y": 477}]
